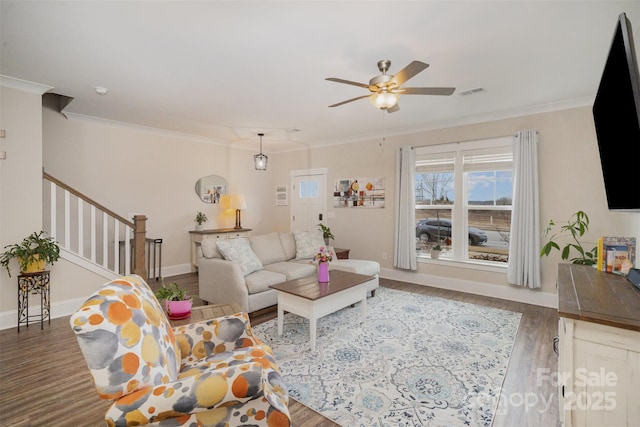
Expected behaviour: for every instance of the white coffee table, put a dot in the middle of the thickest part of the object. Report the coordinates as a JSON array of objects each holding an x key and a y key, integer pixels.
[{"x": 310, "y": 299}]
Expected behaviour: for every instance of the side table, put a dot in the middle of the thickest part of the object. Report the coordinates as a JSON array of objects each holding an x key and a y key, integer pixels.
[
  {"x": 206, "y": 312},
  {"x": 34, "y": 283},
  {"x": 342, "y": 253}
]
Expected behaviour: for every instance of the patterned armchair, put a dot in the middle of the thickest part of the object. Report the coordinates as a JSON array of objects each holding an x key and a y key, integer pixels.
[{"x": 211, "y": 373}]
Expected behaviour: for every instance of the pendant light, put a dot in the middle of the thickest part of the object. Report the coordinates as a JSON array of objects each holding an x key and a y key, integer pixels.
[{"x": 260, "y": 160}]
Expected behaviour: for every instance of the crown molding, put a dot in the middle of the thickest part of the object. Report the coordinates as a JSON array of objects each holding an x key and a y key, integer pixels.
[
  {"x": 144, "y": 129},
  {"x": 24, "y": 85}
]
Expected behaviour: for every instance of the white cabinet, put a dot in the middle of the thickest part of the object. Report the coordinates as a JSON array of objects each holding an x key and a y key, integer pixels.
[
  {"x": 197, "y": 236},
  {"x": 599, "y": 348}
]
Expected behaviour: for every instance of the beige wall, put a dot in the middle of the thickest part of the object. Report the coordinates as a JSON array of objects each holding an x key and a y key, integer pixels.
[
  {"x": 161, "y": 172},
  {"x": 154, "y": 173},
  {"x": 20, "y": 177},
  {"x": 570, "y": 180}
]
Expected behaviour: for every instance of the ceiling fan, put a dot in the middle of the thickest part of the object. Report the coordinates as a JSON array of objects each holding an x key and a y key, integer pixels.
[{"x": 385, "y": 88}]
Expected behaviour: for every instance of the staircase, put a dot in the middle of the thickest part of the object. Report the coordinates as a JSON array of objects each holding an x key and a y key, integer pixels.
[{"x": 90, "y": 235}]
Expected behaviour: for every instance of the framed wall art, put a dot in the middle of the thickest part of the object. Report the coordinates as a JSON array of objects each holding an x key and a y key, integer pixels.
[{"x": 358, "y": 193}]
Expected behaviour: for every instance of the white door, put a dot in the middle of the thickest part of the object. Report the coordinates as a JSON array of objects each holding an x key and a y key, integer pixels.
[{"x": 308, "y": 199}]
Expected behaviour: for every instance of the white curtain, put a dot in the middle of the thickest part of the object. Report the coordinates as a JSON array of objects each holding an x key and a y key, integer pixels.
[
  {"x": 524, "y": 242},
  {"x": 404, "y": 252}
]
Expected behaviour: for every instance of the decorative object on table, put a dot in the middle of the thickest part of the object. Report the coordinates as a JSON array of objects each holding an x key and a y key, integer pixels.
[
  {"x": 323, "y": 257},
  {"x": 33, "y": 253},
  {"x": 359, "y": 192},
  {"x": 416, "y": 360},
  {"x": 575, "y": 227},
  {"x": 238, "y": 203},
  {"x": 326, "y": 233},
  {"x": 176, "y": 301},
  {"x": 616, "y": 254},
  {"x": 260, "y": 160},
  {"x": 201, "y": 218}
]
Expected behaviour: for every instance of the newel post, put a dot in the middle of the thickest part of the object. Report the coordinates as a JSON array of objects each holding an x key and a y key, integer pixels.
[{"x": 140, "y": 232}]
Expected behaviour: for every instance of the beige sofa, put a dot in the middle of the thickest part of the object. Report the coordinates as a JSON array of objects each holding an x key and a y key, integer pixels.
[{"x": 241, "y": 270}]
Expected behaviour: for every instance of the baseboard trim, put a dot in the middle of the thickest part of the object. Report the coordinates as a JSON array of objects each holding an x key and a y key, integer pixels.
[
  {"x": 511, "y": 293},
  {"x": 9, "y": 319}
]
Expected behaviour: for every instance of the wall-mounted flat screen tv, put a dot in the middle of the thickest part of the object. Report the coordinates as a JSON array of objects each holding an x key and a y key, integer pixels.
[{"x": 616, "y": 113}]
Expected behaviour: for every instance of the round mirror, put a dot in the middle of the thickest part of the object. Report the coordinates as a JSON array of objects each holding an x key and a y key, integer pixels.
[{"x": 211, "y": 188}]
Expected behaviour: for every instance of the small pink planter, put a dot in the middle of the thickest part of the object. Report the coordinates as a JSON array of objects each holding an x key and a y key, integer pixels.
[{"x": 178, "y": 309}]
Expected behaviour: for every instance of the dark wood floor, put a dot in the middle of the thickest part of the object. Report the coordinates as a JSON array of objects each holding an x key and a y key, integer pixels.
[{"x": 44, "y": 380}]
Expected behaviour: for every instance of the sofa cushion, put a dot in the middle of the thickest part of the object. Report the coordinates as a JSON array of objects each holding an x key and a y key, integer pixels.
[
  {"x": 210, "y": 249},
  {"x": 307, "y": 243},
  {"x": 288, "y": 244},
  {"x": 259, "y": 281},
  {"x": 268, "y": 248},
  {"x": 292, "y": 270},
  {"x": 358, "y": 266},
  {"x": 240, "y": 251}
]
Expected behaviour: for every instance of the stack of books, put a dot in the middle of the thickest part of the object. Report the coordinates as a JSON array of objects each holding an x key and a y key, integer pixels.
[{"x": 616, "y": 254}]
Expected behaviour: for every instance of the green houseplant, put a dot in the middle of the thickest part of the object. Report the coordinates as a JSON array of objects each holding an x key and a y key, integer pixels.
[
  {"x": 201, "y": 218},
  {"x": 176, "y": 301},
  {"x": 326, "y": 233},
  {"x": 33, "y": 253},
  {"x": 575, "y": 227}
]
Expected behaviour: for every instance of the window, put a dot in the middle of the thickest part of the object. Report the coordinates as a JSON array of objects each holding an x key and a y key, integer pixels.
[
  {"x": 463, "y": 194},
  {"x": 308, "y": 189}
]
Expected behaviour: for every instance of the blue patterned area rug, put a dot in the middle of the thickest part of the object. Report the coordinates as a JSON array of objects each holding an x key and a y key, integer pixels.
[{"x": 416, "y": 361}]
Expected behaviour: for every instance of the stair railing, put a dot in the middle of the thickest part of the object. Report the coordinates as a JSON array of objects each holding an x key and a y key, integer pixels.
[{"x": 96, "y": 234}]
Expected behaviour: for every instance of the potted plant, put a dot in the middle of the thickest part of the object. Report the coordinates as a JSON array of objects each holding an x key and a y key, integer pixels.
[
  {"x": 326, "y": 233},
  {"x": 176, "y": 301},
  {"x": 201, "y": 218},
  {"x": 435, "y": 250},
  {"x": 576, "y": 226},
  {"x": 33, "y": 253}
]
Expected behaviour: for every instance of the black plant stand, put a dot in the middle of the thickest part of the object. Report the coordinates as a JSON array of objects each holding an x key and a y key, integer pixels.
[{"x": 34, "y": 283}]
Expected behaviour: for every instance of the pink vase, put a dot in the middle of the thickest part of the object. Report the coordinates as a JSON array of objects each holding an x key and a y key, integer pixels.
[
  {"x": 323, "y": 272},
  {"x": 178, "y": 309}
]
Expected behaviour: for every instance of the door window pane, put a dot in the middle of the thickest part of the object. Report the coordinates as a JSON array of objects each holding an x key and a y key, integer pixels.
[{"x": 308, "y": 189}]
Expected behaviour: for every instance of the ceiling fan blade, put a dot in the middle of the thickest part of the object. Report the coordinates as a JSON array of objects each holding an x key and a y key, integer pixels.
[
  {"x": 347, "y": 82},
  {"x": 407, "y": 72},
  {"x": 426, "y": 90},
  {"x": 349, "y": 100},
  {"x": 393, "y": 109}
]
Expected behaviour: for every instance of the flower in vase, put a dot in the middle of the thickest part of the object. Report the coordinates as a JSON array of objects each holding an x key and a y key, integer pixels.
[{"x": 324, "y": 255}]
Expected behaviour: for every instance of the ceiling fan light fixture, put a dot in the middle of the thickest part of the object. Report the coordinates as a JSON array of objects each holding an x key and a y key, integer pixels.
[
  {"x": 384, "y": 100},
  {"x": 260, "y": 160}
]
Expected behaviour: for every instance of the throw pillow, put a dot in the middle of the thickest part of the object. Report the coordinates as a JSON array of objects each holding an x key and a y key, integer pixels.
[
  {"x": 268, "y": 248},
  {"x": 240, "y": 251},
  {"x": 308, "y": 243},
  {"x": 210, "y": 249}
]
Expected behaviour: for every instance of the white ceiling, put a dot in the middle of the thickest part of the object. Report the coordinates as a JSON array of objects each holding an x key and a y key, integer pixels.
[{"x": 223, "y": 71}]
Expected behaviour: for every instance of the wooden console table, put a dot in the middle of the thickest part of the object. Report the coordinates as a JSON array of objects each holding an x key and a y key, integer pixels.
[
  {"x": 599, "y": 348},
  {"x": 197, "y": 236}
]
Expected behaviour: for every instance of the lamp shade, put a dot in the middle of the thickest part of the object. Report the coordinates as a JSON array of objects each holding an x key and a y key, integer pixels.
[
  {"x": 225, "y": 201},
  {"x": 260, "y": 161},
  {"x": 384, "y": 100},
  {"x": 238, "y": 202}
]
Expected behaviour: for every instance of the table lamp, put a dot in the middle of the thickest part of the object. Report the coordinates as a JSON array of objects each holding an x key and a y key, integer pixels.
[{"x": 238, "y": 203}]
